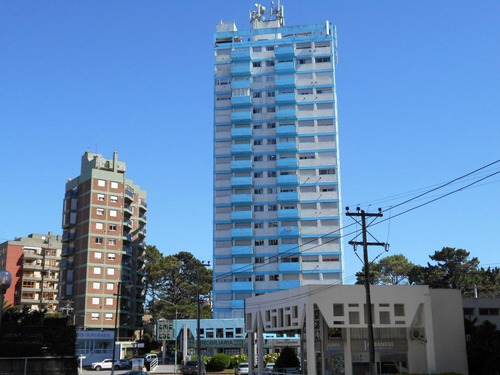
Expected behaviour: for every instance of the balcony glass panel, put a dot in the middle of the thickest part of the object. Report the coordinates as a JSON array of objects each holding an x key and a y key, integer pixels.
[
  {"x": 291, "y": 248},
  {"x": 241, "y": 164},
  {"x": 288, "y": 98},
  {"x": 289, "y": 284},
  {"x": 286, "y": 114},
  {"x": 286, "y": 130},
  {"x": 291, "y": 179},
  {"x": 287, "y": 163},
  {"x": 285, "y": 82},
  {"x": 241, "y": 198},
  {"x": 241, "y": 215},
  {"x": 246, "y": 268},
  {"x": 240, "y": 70},
  {"x": 240, "y": 55},
  {"x": 284, "y": 51},
  {"x": 241, "y": 250},
  {"x": 241, "y": 101},
  {"x": 241, "y": 132},
  {"x": 245, "y": 233},
  {"x": 237, "y": 303},
  {"x": 292, "y": 214},
  {"x": 292, "y": 196},
  {"x": 241, "y": 84},
  {"x": 241, "y": 116},
  {"x": 242, "y": 149},
  {"x": 289, "y": 267},
  {"x": 241, "y": 181},
  {"x": 286, "y": 146},
  {"x": 284, "y": 67}
]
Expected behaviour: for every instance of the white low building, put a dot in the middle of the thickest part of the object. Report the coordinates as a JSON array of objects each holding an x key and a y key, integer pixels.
[{"x": 416, "y": 329}]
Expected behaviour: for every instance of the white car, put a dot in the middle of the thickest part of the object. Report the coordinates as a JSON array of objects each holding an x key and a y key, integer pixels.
[
  {"x": 105, "y": 365},
  {"x": 241, "y": 368}
]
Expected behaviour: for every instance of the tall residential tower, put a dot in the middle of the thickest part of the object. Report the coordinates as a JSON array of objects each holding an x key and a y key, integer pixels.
[
  {"x": 104, "y": 223},
  {"x": 276, "y": 160}
]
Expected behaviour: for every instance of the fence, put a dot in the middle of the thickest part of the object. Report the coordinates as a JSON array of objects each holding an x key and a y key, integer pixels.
[{"x": 38, "y": 365}]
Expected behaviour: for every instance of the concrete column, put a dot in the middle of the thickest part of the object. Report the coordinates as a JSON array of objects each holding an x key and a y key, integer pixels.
[
  {"x": 184, "y": 342},
  {"x": 251, "y": 352},
  {"x": 311, "y": 354},
  {"x": 347, "y": 352},
  {"x": 260, "y": 343}
]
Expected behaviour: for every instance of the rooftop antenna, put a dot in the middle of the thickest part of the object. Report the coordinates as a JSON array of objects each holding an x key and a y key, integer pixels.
[{"x": 278, "y": 11}]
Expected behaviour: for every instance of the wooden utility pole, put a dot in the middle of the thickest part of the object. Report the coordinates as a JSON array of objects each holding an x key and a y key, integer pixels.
[{"x": 366, "y": 263}]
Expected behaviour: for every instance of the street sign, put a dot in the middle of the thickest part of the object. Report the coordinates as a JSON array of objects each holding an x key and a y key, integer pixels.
[{"x": 164, "y": 329}]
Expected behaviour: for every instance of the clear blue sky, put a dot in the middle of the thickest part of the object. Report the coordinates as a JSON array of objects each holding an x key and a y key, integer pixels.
[{"x": 418, "y": 86}]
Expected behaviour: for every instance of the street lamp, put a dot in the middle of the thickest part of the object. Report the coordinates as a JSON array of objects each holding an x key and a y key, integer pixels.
[
  {"x": 5, "y": 281},
  {"x": 198, "y": 317},
  {"x": 128, "y": 285},
  {"x": 175, "y": 331}
]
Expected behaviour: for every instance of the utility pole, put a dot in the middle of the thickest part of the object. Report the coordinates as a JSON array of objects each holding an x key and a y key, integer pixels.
[{"x": 366, "y": 263}]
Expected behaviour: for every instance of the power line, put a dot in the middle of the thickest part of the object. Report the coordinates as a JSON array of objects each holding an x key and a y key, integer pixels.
[{"x": 247, "y": 269}]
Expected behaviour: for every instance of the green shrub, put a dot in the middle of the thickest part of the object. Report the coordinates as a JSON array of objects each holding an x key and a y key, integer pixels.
[
  {"x": 271, "y": 357},
  {"x": 237, "y": 358},
  {"x": 219, "y": 362}
]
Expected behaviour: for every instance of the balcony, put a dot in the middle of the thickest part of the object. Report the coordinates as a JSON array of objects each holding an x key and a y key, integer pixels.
[
  {"x": 241, "y": 250},
  {"x": 288, "y": 197},
  {"x": 284, "y": 52},
  {"x": 242, "y": 233},
  {"x": 287, "y": 163},
  {"x": 245, "y": 116},
  {"x": 128, "y": 224},
  {"x": 241, "y": 84},
  {"x": 288, "y": 248},
  {"x": 241, "y": 133},
  {"x": 286, "y": 130},
  {"x": 241, "y": 215},
  {"x": 240, "y": 55},
  {"x": 289, "y": 284},
  {"x": 287, "y": 98},
  {"x": 288, "y": 180},
  {"x": 286, "y": 147},
  {"x": 284, "y": 82},
  {"x": 241, "y": 199},
  {"x": 289, "y": 267},
  {"x": 286, "y": 114},
  {"x": 240, "y": 70},
  {"x": 127, "y": 237},
  {"x": 241, "y": 165},
  {"x": 241, "y": 181},
  {"x": 241, "y": 149},
  {"x": 237, "y": 303},
  {"x": 127, "y": 250},
  {"x": 284, "y": 67},
  {"x": 289, "y": 231},
  {"x": 127, "y": 208},
  {"x": 290, "y": 214},
  {"x": 143, "y": 218},
  {"x": 241, "y": 285},
  {"x": 241, "y": 101}
]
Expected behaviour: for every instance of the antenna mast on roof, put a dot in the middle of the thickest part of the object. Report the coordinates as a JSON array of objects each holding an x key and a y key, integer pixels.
[{"x": 278, "y": 11}]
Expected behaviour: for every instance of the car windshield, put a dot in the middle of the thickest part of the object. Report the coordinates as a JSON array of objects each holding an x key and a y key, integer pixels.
[{"x": 191, "y": 363}]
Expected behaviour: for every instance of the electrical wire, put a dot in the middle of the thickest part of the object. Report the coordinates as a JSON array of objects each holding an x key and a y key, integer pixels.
[{"x": 249, "y": 268}]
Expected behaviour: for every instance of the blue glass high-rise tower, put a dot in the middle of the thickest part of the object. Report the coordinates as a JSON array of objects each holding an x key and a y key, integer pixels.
[{"x": 276, "y": 161}]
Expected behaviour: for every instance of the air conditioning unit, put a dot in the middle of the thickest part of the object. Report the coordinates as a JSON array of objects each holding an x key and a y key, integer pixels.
[
  {"x": 38, "y": 261},
  {"x": 415, "y": 334}
]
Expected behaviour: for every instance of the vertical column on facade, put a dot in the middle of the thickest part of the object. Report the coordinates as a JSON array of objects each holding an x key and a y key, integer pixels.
[
  {"x": 430, "y": 353},
  {"x": 251, "y": 349},
  {"x": 347, "y": 351},
  {"x": 260, "y": 342},
  {"x": 311, "y": 353}
]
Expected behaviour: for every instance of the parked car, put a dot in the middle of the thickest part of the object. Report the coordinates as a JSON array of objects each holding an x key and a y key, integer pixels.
[
  {"x": 191, "y": 368},
  {"x": 106, "y": 365},
  {"x": 125, "y": 364},
  {"x": 136, "y": 373},
  {"x": 241, "y": 368}
]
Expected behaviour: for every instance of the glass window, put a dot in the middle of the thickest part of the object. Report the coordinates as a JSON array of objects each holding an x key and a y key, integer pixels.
[{"x": 338, "y": 309}]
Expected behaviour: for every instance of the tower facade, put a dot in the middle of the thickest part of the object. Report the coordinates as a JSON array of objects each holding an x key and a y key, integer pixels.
[
  {"x": 104, "y": 230},
  {"x": 33, "y": 262},
  {"x": 276, "y": 161}
]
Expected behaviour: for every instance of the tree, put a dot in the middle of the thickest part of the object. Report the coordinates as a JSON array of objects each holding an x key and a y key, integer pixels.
[
  {"x": 176, "y": 279},
  {"x": 454, "y": 270},
  {"x": 391, "y": 270}
]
